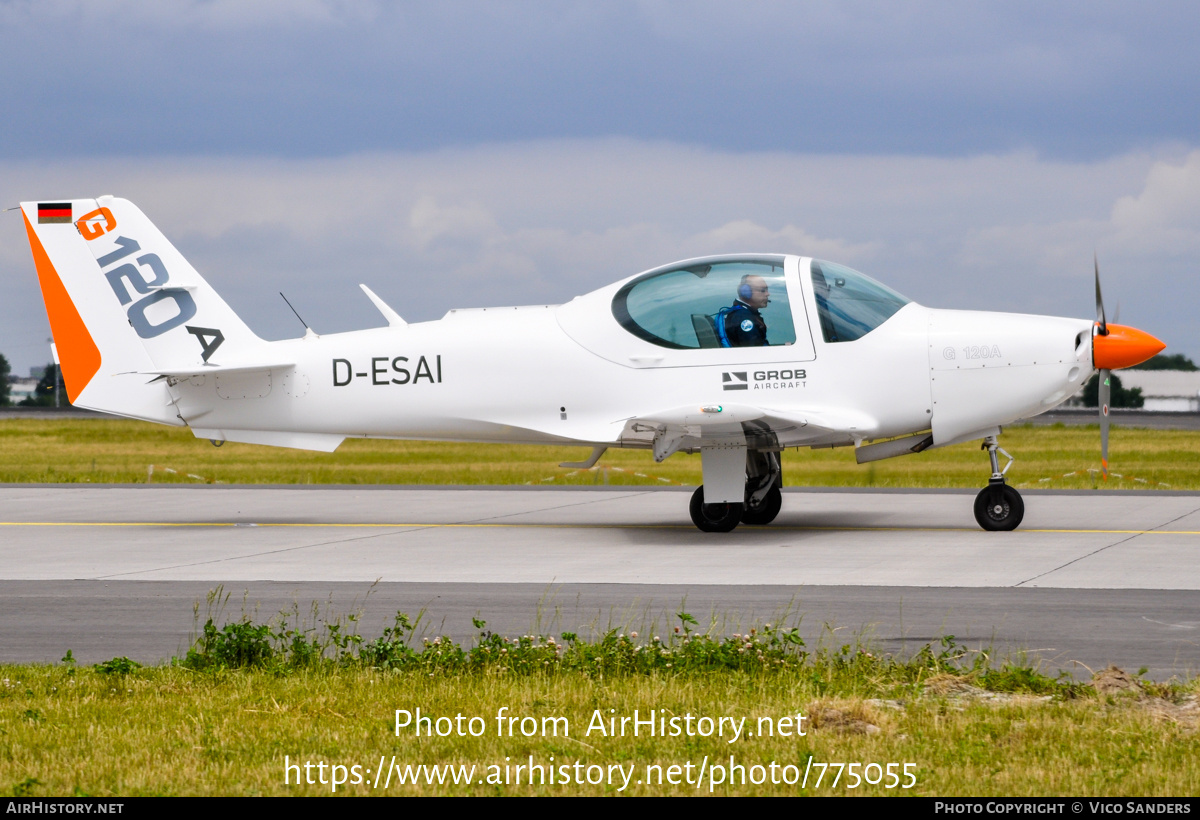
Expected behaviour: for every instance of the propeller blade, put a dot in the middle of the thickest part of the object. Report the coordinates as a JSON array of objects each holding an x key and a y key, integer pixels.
[
  {"x": 1105, "y": 395},
  {"x": 1103, "y": 325}
]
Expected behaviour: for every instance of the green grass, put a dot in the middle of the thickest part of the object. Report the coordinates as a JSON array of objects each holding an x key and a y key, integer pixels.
[
  {"x": 113, "y": 451},
  {"x": 226, "y": 721}
]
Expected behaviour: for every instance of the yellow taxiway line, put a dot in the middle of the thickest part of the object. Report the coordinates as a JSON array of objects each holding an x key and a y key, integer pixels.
[{"x": 500, "y": 525}]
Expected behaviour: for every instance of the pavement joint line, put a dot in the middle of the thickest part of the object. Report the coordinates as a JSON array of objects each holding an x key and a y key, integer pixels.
[
  {"x": 1157, "y": 530},
  {"x": 231, "y": 558},
  {"x": 630, "y": 494},
  {"x": 503, "y": 525}
]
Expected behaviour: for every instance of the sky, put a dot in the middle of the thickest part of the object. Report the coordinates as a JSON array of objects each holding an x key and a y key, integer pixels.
[{"x": 465, "y": 154}]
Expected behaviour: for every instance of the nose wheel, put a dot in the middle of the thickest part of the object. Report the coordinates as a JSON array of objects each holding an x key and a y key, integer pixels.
[{"x": 998, "y": 507}]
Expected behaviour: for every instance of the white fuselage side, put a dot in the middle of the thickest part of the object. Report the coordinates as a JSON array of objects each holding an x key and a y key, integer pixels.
[{"x": 572, "y": 374}]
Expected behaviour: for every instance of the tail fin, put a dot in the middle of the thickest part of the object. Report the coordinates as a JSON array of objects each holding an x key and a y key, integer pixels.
[{"x": 125, "y": 305}]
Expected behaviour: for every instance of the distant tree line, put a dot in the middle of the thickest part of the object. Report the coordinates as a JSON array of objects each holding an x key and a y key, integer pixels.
[
  {"x": 47, "y": 387},
  {"x": 43, "y": 394},
  {"x": 1176, "y": 361},
  {"x": 1119, "y": 397}
]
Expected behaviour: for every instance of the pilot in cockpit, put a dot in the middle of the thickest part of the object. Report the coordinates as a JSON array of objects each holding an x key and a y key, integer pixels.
[{"x": 741, "y": 325}]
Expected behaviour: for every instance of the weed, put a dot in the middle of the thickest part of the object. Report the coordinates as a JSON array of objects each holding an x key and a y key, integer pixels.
[
  {"x": 25, "y": 787},
  {"x": 117, "y": 666},
  {"x": 1013, "y": 679},
  {"x": 391, "y": 650},
  {"x": 237, "y": 645}
]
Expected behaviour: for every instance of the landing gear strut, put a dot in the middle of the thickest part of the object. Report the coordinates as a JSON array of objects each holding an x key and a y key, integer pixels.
[
  {"x": 763, "y": 498},
  {"x": 998, "y": 507}
]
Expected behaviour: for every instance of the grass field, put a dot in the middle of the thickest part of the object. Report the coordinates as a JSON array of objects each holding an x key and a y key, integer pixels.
[
  {"x": 115, "y": 451},
  {"x": 250, "y": 707},
  {"x": 168, "y": 731}
]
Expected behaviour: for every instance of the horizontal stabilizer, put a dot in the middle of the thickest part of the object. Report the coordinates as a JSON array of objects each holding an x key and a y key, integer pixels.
[{"x": 185, "y": 371}]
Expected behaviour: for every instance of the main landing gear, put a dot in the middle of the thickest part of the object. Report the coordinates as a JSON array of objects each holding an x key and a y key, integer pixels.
[
  {"x": 763, "y": 498},
  {"x": 998, "y": 507},
  {"x": 721, "y": 517},
  {"x": 764, "y": 477}
]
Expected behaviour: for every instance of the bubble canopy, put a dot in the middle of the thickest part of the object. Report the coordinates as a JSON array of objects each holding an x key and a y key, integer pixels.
[{"x": 681, "y": 307}]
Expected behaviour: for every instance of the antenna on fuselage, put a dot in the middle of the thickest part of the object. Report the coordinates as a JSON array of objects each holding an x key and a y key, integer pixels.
[{"x": 308, "y": 331}]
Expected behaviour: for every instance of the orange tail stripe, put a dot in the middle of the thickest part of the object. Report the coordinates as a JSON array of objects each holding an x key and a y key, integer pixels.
[{"x": 77, "y": 353}]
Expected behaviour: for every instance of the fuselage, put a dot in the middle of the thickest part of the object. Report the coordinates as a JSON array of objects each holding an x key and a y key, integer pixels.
[{"x": 574, "y": 373}]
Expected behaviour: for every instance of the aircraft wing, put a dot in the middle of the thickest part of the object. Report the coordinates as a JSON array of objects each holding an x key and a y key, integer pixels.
[{"x": 695, "y": 426}]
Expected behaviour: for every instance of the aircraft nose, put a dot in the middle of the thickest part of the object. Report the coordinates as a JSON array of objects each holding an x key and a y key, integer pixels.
[{"x": 1123, "y": 347}]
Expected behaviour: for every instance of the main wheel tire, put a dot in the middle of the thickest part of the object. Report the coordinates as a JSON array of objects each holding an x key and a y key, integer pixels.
[
  {"x": 767, "y": 509},
  {"x": 999, "y": 508},
  {"x": 721, "y": 517}
]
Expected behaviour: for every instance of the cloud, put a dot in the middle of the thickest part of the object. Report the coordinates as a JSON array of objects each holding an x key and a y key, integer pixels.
[
  {"x": 309, "y": 78},
  {"x": 543, "y": 221},
  {"x": 469, "y": 225},
  {"x": 1165, "y": 216},
  {"x": 745, "y": 235}
]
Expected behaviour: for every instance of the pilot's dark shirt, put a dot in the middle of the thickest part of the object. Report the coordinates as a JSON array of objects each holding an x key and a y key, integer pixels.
[{"x": 745, "y": 326}]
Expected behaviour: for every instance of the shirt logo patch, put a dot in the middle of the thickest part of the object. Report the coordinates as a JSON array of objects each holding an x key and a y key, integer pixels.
[{"x": 747, "y": 325}]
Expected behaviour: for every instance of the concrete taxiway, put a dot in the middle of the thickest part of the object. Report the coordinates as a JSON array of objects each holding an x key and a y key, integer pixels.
[{"x": 1091, "y": 577}]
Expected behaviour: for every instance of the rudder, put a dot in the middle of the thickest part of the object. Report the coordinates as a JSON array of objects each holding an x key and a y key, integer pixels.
[{"x": 124, "y": 304}]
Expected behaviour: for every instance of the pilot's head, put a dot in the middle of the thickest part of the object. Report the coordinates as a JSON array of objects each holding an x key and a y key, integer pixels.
[{"x": 753, "y": 291}]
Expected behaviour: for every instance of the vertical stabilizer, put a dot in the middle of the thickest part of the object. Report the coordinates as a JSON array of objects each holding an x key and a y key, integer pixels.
[{"x": 124, "y": 303}]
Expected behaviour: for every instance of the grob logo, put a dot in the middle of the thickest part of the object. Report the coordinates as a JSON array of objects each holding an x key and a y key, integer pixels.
[{"x": 735, "y": 380}]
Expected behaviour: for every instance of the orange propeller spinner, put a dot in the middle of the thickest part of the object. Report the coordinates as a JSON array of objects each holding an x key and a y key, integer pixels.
[{"x": 1122, "y": 346}]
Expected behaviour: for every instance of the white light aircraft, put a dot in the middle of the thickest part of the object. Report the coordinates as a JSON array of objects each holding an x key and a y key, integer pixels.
[{"x": 735, "y": 357}]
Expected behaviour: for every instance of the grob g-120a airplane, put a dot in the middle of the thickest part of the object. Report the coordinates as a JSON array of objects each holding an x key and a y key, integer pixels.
[{"x": 735, "y": 357}]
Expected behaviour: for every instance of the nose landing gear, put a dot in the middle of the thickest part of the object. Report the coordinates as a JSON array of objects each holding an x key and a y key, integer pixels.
[{"x": 998, "y": 507}]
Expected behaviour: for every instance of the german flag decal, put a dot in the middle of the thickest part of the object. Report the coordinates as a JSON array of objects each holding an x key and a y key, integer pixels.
[{"x": 51, "y": 212}]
